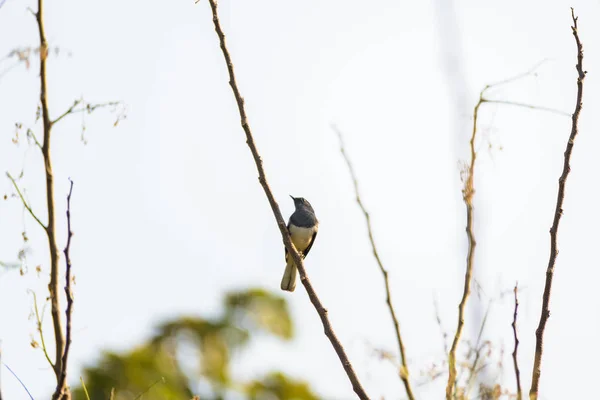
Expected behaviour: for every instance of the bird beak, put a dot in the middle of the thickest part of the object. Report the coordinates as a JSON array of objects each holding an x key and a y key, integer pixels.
[{"x": 292, "y": 197}]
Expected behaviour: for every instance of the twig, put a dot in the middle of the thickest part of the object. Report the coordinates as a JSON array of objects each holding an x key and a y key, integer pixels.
[
  {"x": 39, "y": 328},
  {"x": 161, "y": 380},
  {"x": 358, "y": 389},
  {"x": 473, "y": 370},
  {"x": 53, "y": 287},
  {"x": 85, "y": 107},
  {"x": 25, "y": 204},
  {"x": 85, "y": 391},
  {"x": 404, "y": 374},
  {"x": 69, "y": 111},
  {"x": 69, "y": 311},
  {"x": 530, "y": 106},
  {"x": 468, "y": 192},
  {"x": 545, "y": 314},
  {"x": 20, "y": 381},
  {"x": 514, "y": 353}
]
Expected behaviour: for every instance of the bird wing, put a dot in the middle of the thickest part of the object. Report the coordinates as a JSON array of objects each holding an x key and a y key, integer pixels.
[
  {"x": 288, "y": 228},
  {"x": 312, "y": 240}
]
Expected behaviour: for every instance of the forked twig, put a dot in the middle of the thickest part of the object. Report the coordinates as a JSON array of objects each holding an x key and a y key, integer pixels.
[
  {"x": 25, "y": 203},
  {"x": 545, "y": 314},
  {"x": 356, "y": 385},
  {"x": 514, "y": 353},
  {"x": 69, "y": 293},
  {"x": 404, "y": 374}
]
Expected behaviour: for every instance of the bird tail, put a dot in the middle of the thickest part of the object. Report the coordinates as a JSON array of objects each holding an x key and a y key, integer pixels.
[{"x": 288, "y": 282}]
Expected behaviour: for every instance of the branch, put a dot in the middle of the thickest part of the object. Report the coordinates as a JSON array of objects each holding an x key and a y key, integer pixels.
[
  {"x": 85, "y": 107},
  {"x": 530, "y": 106},
  {"x": 358, "y": 389},
  {"x": 468, "y": 192},
  {"x": 514, "y": 353},
  {"x": 69, "y": 311},
  {"x": 404, "y": 368},
  {"x": 539, "y": 333},
  {"x": 69, "y": 111},
  {"x": 53, "y": 286},
  {"x": 40, "y": 330},
  {"x": 25, "y": 204}
]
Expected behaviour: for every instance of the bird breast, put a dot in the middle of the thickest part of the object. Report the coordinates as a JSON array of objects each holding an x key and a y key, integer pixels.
[{"x": 301, "y": 237}]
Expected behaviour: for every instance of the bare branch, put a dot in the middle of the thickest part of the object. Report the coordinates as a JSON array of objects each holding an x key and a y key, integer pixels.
[
  {"x": 25, "y": 204},
  {"x": 514, "y": 353},
  {"x": 531, "y": 107},
  {"x": 468, "y": 192},
  {"x": 38, "y": 320},
  {"x": 85, "y": 107},
  {"x": 61, "y": 386},
  {"x": 404, "y": 374},
  {"x": 69, "y": 111},
  {"x": 473, "y": 369},
  {"x": 545, "y": 314},
  {"x": 53, "y": 287},
  {"x": 356, "y": 385}
]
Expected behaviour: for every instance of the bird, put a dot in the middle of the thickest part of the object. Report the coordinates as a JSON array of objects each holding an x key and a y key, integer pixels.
[{"x": 302, "y": 226}]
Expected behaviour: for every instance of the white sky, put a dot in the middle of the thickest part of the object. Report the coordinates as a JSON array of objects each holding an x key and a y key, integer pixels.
[{"x": 168, "y": 213}]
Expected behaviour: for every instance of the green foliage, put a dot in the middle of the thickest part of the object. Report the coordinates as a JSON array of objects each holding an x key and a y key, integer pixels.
[
  {"x": 260, "y": 309},
  {"x": 155, "y": 370},
  {"x": 279, "y": 386}
]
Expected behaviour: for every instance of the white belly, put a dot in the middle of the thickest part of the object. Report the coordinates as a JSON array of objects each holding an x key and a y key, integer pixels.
[{"x": 301, "y": 237}]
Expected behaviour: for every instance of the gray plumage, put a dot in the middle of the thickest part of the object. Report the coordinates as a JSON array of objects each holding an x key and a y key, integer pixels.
[{"x": 303, "y": 227}]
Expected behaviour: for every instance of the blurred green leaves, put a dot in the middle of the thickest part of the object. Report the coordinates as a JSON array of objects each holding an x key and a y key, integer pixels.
[{"x": 192, "y": 354}]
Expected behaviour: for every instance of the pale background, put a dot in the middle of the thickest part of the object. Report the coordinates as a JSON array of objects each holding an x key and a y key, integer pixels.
[{"x": 168, "y": 213}]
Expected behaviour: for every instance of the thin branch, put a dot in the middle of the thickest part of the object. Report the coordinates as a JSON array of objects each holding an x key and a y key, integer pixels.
[
  {"x": 356, "y": 385},
  {"x": 139, "y": 396},
  {"x": 85, "y": 391},
  {"x": 514, "y": 353},
  {"x": 86, "y": 107},
  {"x": 18, "y": 379},
  {"x": 530, "y": 106},
  {"x": 25, "y": 204},
  {"x": 53, "y": 286},
  {"x": 473, "y": 370},
  {"x": 545, "y": 314},
  {"x": 517, "y": 77},
  {"x": 69, "y": 311},
  {"x": 40, "y": 329},
  {"x": 404, "y": 374},
  {"x": 468, "y": 192},
  {"x": 69, "y": 111}
]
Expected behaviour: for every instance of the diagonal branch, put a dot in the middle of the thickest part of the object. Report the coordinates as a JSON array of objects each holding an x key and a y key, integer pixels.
[
  {"x": 61, "y": 386},
  {"x": 85, "y": 107},
  {"x": 539, "y": 333},
  {"x": 356, "y": 385},
  {"x": 25, "y": 204},
  {"x": 404, "y": 375},
  {"x": 514, "y": 353},
  {"x": 38, "y": 320}
]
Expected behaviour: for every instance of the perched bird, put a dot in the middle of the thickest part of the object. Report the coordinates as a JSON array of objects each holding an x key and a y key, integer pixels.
[{"x": 303, "y": 227}]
